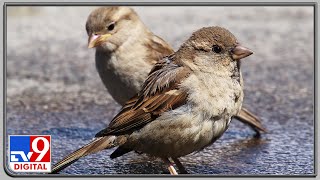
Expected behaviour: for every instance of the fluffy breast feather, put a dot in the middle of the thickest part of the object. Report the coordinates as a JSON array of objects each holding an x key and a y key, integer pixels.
[{"x": 213, "y": 95}]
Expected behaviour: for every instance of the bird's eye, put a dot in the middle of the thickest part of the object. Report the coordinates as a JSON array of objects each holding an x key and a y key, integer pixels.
[
  {"x": 111, "y": 26},
  {"x": 216, "y": 49}
]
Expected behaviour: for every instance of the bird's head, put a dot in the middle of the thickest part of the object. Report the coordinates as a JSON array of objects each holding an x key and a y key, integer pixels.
[
  {"x": 213, "y": 49},
  {"x": 110, "y": 27}
]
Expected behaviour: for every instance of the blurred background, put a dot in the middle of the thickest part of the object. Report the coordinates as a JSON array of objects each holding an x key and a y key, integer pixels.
[{"x": 53, "y": 87}]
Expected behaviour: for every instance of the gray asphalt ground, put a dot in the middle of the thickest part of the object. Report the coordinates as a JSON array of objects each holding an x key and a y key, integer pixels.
[{"x": 53, "y": 87}]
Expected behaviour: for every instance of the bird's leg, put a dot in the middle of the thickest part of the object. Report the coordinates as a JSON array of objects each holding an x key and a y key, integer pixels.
[
  {"x": 170, "y": 166},
  {"x": 180, "y": 166}
]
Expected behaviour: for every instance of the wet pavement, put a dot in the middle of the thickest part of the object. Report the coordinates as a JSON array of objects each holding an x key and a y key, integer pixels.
[{"x": 53, "y": 87}]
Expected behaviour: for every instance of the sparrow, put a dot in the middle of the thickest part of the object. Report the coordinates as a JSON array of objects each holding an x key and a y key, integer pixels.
[
  {"x": 126, "y": 51},
  {"x": 185, "y": 104}
]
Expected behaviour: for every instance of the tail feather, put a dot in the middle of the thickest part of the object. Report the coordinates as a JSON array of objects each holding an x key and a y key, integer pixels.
[
  {"x": 253, "y": 121},
  {"x": 94, "y": 146}
]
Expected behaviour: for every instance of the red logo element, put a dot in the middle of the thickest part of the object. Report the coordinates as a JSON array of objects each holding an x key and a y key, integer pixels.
[{"x": 40, "y": 148}]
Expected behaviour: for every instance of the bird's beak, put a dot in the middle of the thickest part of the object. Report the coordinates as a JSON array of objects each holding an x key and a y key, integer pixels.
[
  {"x": 96, "y": 40},
  {"x": 240, "y": 52}
]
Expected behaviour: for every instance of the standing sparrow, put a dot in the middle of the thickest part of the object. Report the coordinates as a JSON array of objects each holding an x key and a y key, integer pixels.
[
  {"x": 126, "y": 50},
  {"x": 186, "y": 102}
]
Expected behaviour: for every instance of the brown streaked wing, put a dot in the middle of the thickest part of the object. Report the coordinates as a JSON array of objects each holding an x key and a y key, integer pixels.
[
  {"x": 159, "y": 94},
  {"x": 161, "y": 63}
]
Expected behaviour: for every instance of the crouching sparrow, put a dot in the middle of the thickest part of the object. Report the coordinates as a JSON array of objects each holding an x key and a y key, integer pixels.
[{"x": 186, "y": 103}]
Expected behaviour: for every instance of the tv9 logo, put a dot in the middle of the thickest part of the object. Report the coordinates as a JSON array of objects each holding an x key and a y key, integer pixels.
[{"x": 30, "y": 153}]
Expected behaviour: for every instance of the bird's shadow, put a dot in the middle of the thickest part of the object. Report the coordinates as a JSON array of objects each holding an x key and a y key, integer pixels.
[{"x": 245, "y": 150}]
